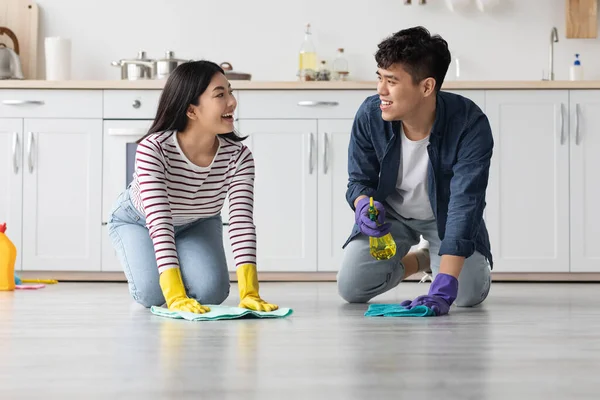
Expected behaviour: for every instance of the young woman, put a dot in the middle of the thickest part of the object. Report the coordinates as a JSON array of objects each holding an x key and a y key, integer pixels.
[{"x": 166, "y": 226}]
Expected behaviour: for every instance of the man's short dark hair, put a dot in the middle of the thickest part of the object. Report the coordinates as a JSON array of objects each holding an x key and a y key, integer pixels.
[{"x": 421, "y": 54}]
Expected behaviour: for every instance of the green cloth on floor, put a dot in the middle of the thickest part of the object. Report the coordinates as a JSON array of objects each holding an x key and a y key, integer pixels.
[
  {"x": 396, "y": 310},
  {"x": 220, "y": 312}
]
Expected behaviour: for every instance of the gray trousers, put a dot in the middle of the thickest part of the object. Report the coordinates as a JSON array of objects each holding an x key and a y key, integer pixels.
[{"x": 361, "y": 277}]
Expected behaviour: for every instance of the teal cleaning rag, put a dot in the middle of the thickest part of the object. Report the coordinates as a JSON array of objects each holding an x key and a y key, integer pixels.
[
  {"x": 396, "y": 310},
  {"x": 217, "y": 313}
]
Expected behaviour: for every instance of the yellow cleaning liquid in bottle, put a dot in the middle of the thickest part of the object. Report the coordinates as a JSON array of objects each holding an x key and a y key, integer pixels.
[
  {"x": 307, "y": 58},
  {"x": 382, "y": 248},
  {"x": 8, "y": 255}
]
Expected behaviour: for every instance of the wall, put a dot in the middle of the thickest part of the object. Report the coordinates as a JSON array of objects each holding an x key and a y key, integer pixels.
[{"x": 263, "y": 36}]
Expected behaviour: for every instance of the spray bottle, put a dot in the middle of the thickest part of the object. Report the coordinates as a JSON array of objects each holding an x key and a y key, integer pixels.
[
  {"x": 382, "y": 248},
  {"x": 8, "y": 256}
]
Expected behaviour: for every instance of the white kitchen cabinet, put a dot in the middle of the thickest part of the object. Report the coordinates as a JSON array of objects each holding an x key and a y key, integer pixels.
[
  {"x": 585, "y": 188},
  {"x": 528, "y": 193},
  {"x": 62, "y": 161},
  {"x": 300, "y": 211},
  {"x": 11, "y": 181},
  {"x": 285, "y": 193},
  {"x": 335, "y": 217}
]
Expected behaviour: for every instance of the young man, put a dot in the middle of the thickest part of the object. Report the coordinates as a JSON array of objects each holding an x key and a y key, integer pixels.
[{"x": 424, "y": 156}]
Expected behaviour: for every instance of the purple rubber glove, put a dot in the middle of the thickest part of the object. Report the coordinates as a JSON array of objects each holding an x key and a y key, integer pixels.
[
  {"x": 371, "y": 228},
  {"x": 442, "y": 293}
]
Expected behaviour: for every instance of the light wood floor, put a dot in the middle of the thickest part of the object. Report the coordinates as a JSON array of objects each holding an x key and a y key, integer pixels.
[{"x": 89, "y": 341}]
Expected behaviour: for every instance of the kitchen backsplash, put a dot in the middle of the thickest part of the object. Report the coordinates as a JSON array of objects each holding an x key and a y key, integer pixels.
[{"x": 263, "y": 37}]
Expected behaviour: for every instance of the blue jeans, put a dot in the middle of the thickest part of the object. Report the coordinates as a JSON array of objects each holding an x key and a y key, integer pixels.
[
  {"x": 361, "y": 277},
  {"x": 199, "y": 248}
]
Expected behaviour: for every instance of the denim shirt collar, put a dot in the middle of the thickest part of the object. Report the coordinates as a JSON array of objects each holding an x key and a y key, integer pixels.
[{"x": 440, "y": 116}]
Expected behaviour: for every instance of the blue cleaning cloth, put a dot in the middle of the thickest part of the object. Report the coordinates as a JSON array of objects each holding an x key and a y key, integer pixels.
[
  {"x": 396, "y": 310},
  {"x": 219, "y": 313}
]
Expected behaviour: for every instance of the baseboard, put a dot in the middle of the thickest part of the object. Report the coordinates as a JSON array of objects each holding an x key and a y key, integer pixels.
[{"x": 77, "y": 276}]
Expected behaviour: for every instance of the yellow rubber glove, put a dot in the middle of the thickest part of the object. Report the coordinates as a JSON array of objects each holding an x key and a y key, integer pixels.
[
  {"x": 248, "y": 284},
  {"x": 174, "y": 293}
]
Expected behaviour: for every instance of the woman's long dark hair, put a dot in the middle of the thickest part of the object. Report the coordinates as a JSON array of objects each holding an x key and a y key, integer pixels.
[{"x": 183, "y": 87}]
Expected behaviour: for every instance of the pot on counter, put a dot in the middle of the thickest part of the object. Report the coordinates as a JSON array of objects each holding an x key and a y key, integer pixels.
[
  {"x": 166, "y": 65},
  {"x": 234, "y": 75},
  {"x": 137, "y": 68}
]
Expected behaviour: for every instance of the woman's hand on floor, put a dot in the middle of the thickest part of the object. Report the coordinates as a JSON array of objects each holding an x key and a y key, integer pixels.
[
  {"x": 257, "y": 304},
  {"x": 173, "y": 290},
  {"x": 248, "y": 285},
  {"x": 189, "y": 305}
]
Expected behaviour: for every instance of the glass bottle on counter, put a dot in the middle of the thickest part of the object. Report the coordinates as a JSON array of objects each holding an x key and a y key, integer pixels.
[
  {"x": 340, "y": 66},
  {"x": 307, "y": 59}
]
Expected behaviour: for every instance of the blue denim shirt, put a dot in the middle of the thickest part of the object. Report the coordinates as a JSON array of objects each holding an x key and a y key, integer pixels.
[{"x": 460, "y": 150}]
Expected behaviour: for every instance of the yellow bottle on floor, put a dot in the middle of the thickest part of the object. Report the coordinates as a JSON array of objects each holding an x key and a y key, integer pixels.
[
  {"x": 8, "y": 256},
  {"x": 382, "y": 248}
]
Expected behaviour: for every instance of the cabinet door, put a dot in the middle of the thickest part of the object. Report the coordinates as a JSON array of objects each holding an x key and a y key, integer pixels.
[
  {"x": 585, "y": 190},
  {"x": 335, "y": 217},
  {"x": 11, "y": 181},
  {"x": 285, "y": 198},
  {"x": 528, "y": 193},
  {"x": 62, "y": 194}
]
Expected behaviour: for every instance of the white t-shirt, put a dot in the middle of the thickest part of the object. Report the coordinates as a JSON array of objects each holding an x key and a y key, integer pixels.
[{"x": 411, "y": 199}]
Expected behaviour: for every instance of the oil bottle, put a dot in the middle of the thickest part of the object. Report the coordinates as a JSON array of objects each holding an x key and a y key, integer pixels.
[
  {"x": 382, "y": 248},
  {"x": 307, "y": 58},
  {"x": 8, "y": 256}
]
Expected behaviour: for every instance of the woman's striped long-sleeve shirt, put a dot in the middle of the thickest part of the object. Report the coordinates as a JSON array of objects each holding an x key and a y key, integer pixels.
[{"x": 171, "y": 191}]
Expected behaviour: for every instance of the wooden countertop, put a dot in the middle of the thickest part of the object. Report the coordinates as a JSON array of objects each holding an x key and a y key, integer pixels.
[{"x": 292, "y": 85}]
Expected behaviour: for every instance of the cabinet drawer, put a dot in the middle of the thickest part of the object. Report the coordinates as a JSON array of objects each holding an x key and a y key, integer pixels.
[
  {"x": 283, "y": 104},
  {"x": 32, "y": 103},
  {"x": 131, "y": 104}
]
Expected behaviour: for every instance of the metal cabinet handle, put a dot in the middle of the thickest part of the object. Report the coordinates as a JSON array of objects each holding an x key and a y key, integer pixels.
[
  {"x": 15, "y": 147},
  {"x": 22, "y": 102},
  {"x": 310, "y": 103},
  {"x": 577, "y": 137},
  {"x": 30, "y": 152},
  {"x": 325, "y": 153},
  {"x": 310, "y": 153},
  {"x": 136, "y": 104}
]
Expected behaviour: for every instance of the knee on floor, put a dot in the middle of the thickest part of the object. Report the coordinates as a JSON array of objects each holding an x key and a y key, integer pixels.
[
  {"x": 149, "y": 298},
  {"x": 215, "y": 293},
  {"x": 350, "y": 293},
  {"x": 472, "y": 298}
]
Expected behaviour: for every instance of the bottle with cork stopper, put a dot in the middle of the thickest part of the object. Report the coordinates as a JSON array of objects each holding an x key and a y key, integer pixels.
[{"x": 340, "y": 66}]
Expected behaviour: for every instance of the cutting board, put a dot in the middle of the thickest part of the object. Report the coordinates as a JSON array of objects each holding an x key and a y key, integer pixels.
[
  {"x": 21, "y": 17},
  {"x": 582, "y": 19}
]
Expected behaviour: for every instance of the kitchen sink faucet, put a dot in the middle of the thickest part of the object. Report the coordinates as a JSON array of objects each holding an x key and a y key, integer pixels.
[{"x": 553, "y": 39}]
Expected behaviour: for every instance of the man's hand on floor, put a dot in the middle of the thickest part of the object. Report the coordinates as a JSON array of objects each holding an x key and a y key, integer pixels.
[{"x": 442, "y": 293}]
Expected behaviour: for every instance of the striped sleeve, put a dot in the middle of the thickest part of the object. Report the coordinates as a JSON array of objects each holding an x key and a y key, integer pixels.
[
  {"x": 150, "y": 169},
  {"x": 242, "y": 232}
]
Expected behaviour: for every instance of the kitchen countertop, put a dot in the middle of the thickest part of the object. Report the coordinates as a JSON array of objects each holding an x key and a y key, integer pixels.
[{"x": 293, "y": 85}]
